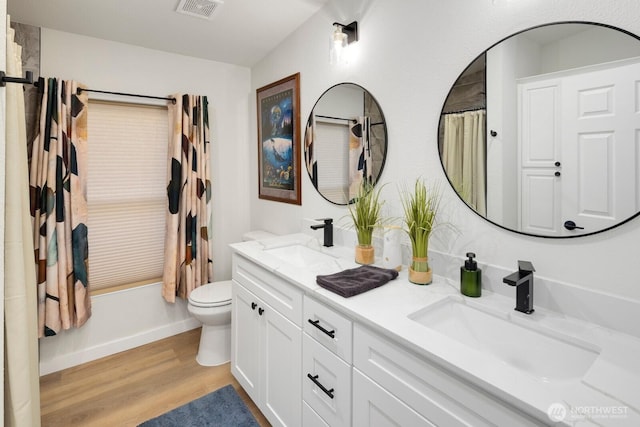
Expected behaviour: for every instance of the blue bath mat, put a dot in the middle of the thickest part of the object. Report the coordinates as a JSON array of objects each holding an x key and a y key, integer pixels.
[{"x": 220, "y": 408}]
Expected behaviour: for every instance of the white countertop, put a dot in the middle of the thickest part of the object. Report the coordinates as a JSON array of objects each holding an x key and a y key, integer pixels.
[{"x": 610, "y": 389}]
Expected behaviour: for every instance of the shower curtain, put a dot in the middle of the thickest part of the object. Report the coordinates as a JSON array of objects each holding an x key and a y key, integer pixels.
[
  {"x": 59, "y": 208},
  {"x": 360, "y": 162},
  {"x": 463, "y": 156},
  {"x": 309, "y": 150},
  {"x": 188, "y": 262},
  {"x": 22, "y": 390}
]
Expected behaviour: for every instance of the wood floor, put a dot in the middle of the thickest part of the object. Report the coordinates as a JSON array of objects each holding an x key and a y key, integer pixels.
[{"x": 131, "y": 387}]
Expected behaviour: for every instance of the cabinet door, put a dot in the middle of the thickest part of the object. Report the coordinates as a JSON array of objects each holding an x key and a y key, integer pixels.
[
  {"x": 374, "y": 406},
  {"x": 245, "y": 342},
  {"x": 281, "y": 343}
]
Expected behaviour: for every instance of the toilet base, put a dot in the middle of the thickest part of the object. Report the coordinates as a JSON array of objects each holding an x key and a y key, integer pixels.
[{"x": 215, "y": 345}]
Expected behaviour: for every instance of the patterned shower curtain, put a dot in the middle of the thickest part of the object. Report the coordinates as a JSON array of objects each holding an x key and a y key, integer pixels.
[
  {"x": 188, "y": 262},
  {"x": 309, "y": 150},
  {"x": 360, "y": 163},
  {"x": 58, "y": 197}
]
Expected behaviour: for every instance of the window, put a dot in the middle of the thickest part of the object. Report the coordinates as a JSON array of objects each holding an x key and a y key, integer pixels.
[{"x": 126, "y": 193}]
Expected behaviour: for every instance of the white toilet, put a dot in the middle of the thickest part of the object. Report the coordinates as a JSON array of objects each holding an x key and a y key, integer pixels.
[{"x": 211, "y": 305}]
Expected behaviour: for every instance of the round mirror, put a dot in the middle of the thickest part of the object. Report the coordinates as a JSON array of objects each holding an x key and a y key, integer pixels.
[
  {"x": 345, "y": 142},
  {"x": 540, "y": 134}
]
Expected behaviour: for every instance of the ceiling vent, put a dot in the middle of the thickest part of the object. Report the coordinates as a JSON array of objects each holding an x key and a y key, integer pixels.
[{"x": 205, "y": 9}]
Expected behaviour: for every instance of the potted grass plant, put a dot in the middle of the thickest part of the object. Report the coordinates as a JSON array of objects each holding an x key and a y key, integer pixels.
[
  {"x": 420, "y": 208},
  {"x": 366, "y": 216}
]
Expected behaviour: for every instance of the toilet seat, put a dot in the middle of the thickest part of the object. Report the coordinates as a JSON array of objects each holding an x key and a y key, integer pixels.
[{"x": 214, "y": 294}]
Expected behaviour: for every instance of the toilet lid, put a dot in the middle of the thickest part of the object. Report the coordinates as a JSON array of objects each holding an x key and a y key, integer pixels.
[{"x": 211, "y": 294}]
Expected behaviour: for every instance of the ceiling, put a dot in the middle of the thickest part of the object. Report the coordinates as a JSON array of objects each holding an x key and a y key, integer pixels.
[{"x": 240, "y": 32}]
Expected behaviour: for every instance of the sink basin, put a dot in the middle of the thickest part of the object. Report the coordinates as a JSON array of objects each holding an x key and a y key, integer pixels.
[
  {"x": 546, "y": 357},
  {"x": 309, "y": 259},
  {"x": 300, "y": 255}
]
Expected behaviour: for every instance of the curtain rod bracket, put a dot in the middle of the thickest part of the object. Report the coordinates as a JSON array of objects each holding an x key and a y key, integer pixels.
[{"x": 27, "y": 80}]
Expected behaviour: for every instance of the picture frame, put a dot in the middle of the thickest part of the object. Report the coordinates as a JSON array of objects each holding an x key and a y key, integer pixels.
[{"x": 278, "y": 118}]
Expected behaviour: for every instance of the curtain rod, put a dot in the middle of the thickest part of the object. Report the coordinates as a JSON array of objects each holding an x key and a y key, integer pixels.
[
  {"x": 347, "y": 120},
  {"x": 173, "y": 100},
  {"x": 464, "y": 111},
  {"x": 335, "y": 118}
]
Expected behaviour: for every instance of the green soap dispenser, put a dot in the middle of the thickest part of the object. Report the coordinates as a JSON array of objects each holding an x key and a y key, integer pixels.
[{"x": 470, "y": 277}]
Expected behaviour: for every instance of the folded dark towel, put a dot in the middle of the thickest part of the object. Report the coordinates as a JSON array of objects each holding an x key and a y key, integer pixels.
[{"x": 355, "y": 281}]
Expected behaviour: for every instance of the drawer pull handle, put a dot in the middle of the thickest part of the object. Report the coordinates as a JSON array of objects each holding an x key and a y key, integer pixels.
[
  {"x": 316, "y": 323},
  {"x": 314, "y": 378},
  {"x": 260, "y": 311},
  {"x": 253, "y": 305}
]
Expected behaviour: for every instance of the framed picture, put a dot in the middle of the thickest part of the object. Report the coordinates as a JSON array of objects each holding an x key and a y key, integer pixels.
[{"x": 279, "y": 140}]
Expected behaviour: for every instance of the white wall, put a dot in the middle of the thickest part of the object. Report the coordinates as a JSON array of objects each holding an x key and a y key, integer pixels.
[
  {"x": 509, "y": 60},
  {"x": 409, "y": 54},
  {"x": 140, "y": 315},
  {"x": 602, "y": 45}
]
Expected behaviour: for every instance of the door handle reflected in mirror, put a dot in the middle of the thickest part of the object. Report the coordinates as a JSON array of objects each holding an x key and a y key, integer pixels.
[{"x": 570, "y": 225}]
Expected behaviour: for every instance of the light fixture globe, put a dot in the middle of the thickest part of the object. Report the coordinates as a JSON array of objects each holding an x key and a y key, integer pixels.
[
  {"x": 338, "y": 46},
  {"x": 341, "y": 37}
]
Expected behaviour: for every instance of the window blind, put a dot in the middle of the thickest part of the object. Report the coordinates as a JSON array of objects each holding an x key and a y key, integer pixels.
[{"x": 126, "y": 192}]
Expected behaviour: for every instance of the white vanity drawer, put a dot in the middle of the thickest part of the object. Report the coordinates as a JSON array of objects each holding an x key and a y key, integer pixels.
[
  {"x": 429, "y": 390},
  {"x": 310, "y": 418},
  {"x": 326, "y": 383},
  {"x": 328, "y": 327},
  {"x": 374, "y": 406},
  {"x": 273, "y": 290}
]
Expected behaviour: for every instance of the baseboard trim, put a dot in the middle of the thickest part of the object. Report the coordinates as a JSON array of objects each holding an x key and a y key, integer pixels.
[{"x": 116, "y": 346}]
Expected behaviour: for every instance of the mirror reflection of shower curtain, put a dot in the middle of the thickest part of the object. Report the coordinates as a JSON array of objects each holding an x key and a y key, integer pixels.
[
  {"x": 309, "y": 150},
  {"x": 463, "y": 156},
  {"x": 360, "y": 162}
]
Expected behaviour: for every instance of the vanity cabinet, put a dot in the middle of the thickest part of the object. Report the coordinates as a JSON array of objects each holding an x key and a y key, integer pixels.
[
  {"x": 266, "y": 351},
  {"x": 391, "y": 382},
  {"x": 326, "y": 366},
  {"x": 308, "y": 363}
]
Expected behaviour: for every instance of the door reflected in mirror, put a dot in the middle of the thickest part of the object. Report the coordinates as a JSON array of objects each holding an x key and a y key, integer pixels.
[
  {"x": 345, "y": 142},
  {"x": 541, "y": 133}
]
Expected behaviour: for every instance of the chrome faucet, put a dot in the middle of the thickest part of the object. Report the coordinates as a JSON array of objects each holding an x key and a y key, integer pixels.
[
  {"x": 328, "y": 230},
  {"x": 523, "y": 281}
]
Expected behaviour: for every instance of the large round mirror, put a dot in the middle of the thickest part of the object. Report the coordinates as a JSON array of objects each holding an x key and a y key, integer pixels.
[
  {"x": 541, "y": 133},
  {"x": 345, "y": 142}
]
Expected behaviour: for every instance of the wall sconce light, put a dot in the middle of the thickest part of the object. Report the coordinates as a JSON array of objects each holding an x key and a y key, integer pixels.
[{"x": 341, "y": 38}]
